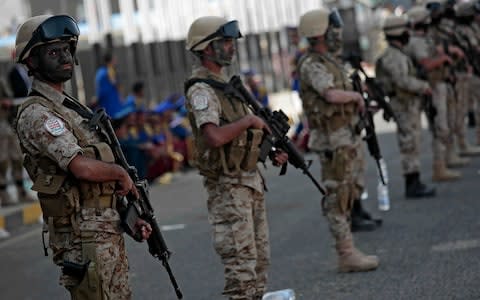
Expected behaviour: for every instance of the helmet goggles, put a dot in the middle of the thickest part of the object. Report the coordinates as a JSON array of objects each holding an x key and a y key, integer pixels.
[
  {"x": 335, "y": 19},
  {"x": 433, "y": 6},
  {"x": 227, "y": 30},
  {"x": 60, "y": 27}
]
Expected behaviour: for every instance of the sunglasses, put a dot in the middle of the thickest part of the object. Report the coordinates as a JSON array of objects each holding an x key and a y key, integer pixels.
[
  {"x": 61, "y": 27},
  {"x": 227, "y": 30}
]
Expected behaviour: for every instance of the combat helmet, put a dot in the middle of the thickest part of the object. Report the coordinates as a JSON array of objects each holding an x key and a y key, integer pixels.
[
  {"x": 418, "y": 15},
  {"x": 44, "y": 29},
  {"x": 395, "y": 25},
  {"x": 465, "y": 9},
  {"x": 315, "y": 22},
  {"x": 207, "y": 29}
]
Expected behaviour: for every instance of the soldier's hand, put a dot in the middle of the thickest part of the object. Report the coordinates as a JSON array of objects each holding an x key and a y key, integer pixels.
[
  {"x": 447, "y": 59},
  {"x": 360, "y": 102},
  {"x": 457, "y": 51},
  {"x": 126, "y": 186},
  {"x": 279, "y": 158},
  {"x": 258, "y": 123},
  {"x": 427, "y": 91},
  {"x": 144, "y": 228},
  {"x": 6, "y": 103}
]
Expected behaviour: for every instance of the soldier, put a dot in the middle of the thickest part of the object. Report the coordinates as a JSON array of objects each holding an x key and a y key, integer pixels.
[
  {"x": 332, "y": 110},
  {"x": 227, "y": 136},
  {"x": 469, "y": 40},
  {"x": 398, "y": 75},
  {"x": 10, "y": 153},
  {"x": 442, "y": 32},
  {"x": 71, "y": 166},
  {"x": 431, "y": 63}
]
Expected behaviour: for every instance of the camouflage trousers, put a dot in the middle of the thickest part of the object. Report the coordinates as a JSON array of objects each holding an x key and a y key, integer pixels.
[
  {"x": 474, "y": 92},
  {"x": 441, "y": 136},
  {"x": 458, "y": 106},
  {"x": 10, "y": 153},
  {"x": 407, "y": 114},
  {"x": 343, "y": 177},
  {"x": 111, "y": 264},
  {"x": 240, "y": 237}
]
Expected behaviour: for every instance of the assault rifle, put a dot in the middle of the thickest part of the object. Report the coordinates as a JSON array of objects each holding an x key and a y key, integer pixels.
[
  {"x": 367, "y": 123},
  {"x": 278, "y": 123},
  {"x": 133, "y": 209},
  {"x": 375, "y": 89}
]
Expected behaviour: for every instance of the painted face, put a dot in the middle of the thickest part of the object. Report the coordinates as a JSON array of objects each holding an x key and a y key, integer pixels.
[
  {"x": 333, "y": 39},
  {"x": 224, "y": 51},
  {"x": 55, "y": 62}
]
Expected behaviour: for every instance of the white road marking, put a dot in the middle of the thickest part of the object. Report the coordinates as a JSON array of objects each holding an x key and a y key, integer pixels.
[
  {"x": 16, "y": 239},
  {"x": 457, "y": 245},
  {"x": 172, "y": 227}
]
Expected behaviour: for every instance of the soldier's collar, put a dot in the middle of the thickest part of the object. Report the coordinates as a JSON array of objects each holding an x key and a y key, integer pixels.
[
  {"x": 47, "y": 91},
  {"x": 209, "y": 74}
]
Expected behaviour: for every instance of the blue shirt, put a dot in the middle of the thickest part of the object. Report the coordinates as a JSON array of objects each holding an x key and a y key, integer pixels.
[{"x": 107, "y": 92}]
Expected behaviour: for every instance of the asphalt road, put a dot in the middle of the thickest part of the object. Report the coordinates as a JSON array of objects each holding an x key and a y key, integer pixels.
[{"x": 429, "y": 249}]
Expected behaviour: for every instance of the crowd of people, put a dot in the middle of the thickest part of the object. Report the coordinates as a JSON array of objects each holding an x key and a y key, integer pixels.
[{"x": 426, "y": 67}]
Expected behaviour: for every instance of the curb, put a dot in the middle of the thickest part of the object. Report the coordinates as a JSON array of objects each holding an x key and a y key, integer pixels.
[{"x": 23, "y": 215}]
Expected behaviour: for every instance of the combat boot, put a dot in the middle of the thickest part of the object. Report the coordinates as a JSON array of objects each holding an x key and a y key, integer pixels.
[
  {"x": 351, "y": 259},
  {"x": 6, "y": 199},
  {"x": 414, "y": 188},
  {"x": 471, "y": 119},
  {"x": 361, "y": 220},
  {"x": 442, "y": 173},
  {"x": 468, "y": 150},
  {"x": 455, "y": 161}
]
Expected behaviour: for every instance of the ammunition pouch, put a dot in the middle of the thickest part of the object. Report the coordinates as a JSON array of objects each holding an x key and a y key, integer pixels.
[
  {"x": 242, "y": 153},
  {"x": 90, "y": 286}
]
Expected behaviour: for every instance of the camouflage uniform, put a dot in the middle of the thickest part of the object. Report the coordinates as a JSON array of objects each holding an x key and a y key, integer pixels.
[
  {"x": 10, "y": 153},
  {"x": 418, "y": 48},
  {"x": 441, "y": 34},
  {"x": 82, "y": 221},
  {"x": 332, "y": 136},
  {"x": 469, "y": 36},
  {"x": 398, "y": 75},
  {"x": 236, "y": 205}
]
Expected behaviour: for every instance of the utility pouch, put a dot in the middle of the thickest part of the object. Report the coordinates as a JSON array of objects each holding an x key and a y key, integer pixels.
[
  {"x": 236, "y": 152},
  {"x": 254, "y": 140},
  {"x": 55, "y": 200},
  {"x": 90, "y": 287}
]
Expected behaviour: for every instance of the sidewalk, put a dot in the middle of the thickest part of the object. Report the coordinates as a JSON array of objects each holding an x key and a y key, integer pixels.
[{"x": 13, "y": 217}]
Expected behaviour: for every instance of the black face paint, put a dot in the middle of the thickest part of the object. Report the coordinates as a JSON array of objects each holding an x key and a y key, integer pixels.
[
  {"x": 333, "y": 39},
  {"x": 405, "y": 38},
  {"x": 223, "y": 56},
  {"x": 55, "y": 62}
]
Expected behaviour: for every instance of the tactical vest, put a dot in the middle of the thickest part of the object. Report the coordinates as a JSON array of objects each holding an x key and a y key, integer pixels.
[
  {"x": 241, "y": 154},
  {"x": 320, "y": 113},
  {"x": 60, "y": 194},
  {"x": 386, "y": 79}
]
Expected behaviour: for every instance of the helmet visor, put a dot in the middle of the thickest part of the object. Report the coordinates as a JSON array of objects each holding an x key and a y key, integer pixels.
[
  {"x": 56, "y": 27},
  {"x": 335, "y": 19},
  {"x": 476, "y": 7},
  {"x": 227, "y": 30},
  {"x": 433, "y": 6}
]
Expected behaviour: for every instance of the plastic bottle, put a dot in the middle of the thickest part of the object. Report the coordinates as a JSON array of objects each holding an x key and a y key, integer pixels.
[
  {"x": 383, "y": 196},
  {"x": 287, "y": 294}
]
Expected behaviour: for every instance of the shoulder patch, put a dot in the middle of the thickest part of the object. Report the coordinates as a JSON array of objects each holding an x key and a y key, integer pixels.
[
  {"x": 54, "y": 126},
  {"x": 200, "y": 100}
]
